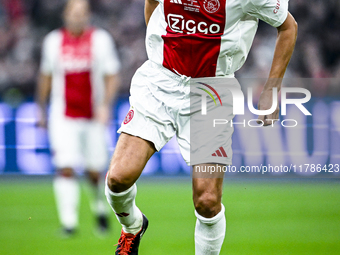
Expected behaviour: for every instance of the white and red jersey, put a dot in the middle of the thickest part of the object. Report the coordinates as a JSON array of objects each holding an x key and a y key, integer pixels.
[
  {"x": 78, "y": 66},
  {"x": 208, "y": 38}
]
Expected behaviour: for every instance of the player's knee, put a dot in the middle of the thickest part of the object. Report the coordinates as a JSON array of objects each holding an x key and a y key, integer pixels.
[
  {"x": 66, "y": 172},
  {"x": 118, "y": 182},
  {"x": 94, "y": 177},
  {"x": 207, "y": 204}
]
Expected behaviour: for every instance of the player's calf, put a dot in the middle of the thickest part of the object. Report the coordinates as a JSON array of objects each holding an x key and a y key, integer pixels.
[{"x": 210, "y": 223}]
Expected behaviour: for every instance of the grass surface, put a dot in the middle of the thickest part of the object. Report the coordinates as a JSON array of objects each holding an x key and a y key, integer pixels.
[{"x": 263, "y": 217}]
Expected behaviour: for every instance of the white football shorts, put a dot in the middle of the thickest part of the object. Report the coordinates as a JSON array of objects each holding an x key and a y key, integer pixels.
[
  {"x": 78, "y": 143},
  {"x": 164, "y": 104}
]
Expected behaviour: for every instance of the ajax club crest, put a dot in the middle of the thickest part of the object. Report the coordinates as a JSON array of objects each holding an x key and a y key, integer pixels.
[
  {"x": 128, "y": 117},
  {"x": 211, "y": 6}
]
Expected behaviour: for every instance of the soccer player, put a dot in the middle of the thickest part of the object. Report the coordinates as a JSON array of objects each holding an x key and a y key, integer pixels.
[
  {"x": 79, "y": 68},
  {"x": 189, "y": 41}
]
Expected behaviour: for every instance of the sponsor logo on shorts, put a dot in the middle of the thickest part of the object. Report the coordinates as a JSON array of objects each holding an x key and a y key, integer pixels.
[
  {"x": 129, "y": 117},
  {"x": 211, "y": 6},
  {"x": 220, "y": 153}
]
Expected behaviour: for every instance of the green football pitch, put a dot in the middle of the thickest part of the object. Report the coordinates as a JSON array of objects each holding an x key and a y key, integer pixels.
[{"x": 263, "y": 217}]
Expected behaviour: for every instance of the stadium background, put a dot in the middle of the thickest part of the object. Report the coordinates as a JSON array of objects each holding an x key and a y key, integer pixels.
[{"x": 265, "y": 216}]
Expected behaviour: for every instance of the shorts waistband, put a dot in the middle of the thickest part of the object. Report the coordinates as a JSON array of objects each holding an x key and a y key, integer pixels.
[
  {"x": 167, "y": 72},
  {"x": 181, "y": 77}
]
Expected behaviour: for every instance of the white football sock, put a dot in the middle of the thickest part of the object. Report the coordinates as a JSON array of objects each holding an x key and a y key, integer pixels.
[
  {"x": 209, "y": 234},
  {"x": 67, "y": 194},
  {"x": 98, "y": 207},
  {"x": 127, "y": 213}
]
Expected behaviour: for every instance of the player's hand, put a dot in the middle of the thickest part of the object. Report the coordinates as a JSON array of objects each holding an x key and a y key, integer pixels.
[
  {"x": 42, "y": 122},
  {"x": 103, "y": 114},
  {"x": 265, "y": 103}
]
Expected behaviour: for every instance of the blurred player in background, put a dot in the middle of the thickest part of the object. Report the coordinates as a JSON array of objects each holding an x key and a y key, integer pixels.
[
  {"x": 187, "y": 41},
  {"x": 79, "y": 69}
]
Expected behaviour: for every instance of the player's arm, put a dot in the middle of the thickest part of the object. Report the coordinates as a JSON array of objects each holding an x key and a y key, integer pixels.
[
  {"x": 111, "y": 88},
  {"x": 43, "y": 92},
  {"x": 284, "y": 48},
  {"x": 150, "y": 6}
]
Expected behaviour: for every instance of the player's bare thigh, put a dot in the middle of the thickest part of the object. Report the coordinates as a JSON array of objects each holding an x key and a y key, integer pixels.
[
  {"x": 207, "y": 192},
  {"x": 128, "y": 161}
]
